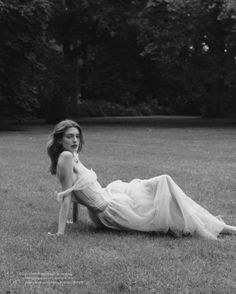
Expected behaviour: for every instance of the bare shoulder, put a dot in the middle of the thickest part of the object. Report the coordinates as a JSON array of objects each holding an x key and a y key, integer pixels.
[
  {"x": 65, "y": 158},
  {"x": 65, "y": 168},
  {"x": 64, "y": 165}
]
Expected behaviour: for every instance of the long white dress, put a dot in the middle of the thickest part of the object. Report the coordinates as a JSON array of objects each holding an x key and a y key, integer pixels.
[{"x": 151, "y": 205}]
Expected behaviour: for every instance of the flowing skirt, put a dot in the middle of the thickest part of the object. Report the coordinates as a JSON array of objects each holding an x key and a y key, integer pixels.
[{"x": 157, "y": 204}]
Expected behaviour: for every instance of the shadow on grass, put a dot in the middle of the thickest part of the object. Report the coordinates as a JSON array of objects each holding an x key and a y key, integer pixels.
[
  {"x": 86, "y": 228},
  {"x": 159, "y": 121},
  {"x": 143, "y": 121},
  {"x": 10, "y": 129}
]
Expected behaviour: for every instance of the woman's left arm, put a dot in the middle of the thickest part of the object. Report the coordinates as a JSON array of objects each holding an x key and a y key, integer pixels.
[{"x": 65, "y": 172}]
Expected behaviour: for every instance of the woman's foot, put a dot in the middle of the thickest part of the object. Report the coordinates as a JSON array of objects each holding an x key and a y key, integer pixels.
[
  {"x": 229, "y": 230},
  {"x": 69, "y": 222}
]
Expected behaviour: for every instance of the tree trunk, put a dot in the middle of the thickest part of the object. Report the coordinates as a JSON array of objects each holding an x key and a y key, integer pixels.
[
  {"x": 217, "y": 93},
  {"x": 77, "y": 84},
  {"x": 215, "y": 105}
]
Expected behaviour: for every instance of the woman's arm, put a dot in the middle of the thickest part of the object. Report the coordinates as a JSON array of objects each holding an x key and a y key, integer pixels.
[{"x": 65, "y": 174}]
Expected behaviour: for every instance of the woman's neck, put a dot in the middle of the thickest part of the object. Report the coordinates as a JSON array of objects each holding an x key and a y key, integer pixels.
[{"x": 76, "y": 157}]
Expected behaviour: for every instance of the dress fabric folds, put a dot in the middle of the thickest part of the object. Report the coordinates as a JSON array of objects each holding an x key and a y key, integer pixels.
[{"x": 151, "y": 205}]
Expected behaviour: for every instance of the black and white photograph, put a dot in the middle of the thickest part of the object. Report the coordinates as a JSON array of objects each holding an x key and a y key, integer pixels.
[{"x": 118, "y": 146}]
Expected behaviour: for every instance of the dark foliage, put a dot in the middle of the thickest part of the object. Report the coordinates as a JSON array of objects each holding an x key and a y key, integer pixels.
[{"x": 98, "y": 58}]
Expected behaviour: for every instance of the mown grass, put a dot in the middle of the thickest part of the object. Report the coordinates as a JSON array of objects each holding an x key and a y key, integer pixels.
[{"x": 201, "y": 160}]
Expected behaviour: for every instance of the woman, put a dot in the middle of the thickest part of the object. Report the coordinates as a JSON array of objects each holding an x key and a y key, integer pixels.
[{"x": 156, "y": 204}]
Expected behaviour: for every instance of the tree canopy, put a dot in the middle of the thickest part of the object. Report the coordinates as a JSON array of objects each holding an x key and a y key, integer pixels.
[{"x": 98, "y": 57}]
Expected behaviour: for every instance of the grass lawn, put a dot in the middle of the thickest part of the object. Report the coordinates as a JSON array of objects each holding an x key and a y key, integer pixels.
[{"x": 201, "y": 160}]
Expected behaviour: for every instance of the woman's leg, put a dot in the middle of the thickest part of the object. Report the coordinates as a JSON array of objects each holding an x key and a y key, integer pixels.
[{"x": 96, "y": 221}]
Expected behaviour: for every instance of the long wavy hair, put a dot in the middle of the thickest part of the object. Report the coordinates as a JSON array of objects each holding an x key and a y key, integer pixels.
[{"x": 54, "y": 146}]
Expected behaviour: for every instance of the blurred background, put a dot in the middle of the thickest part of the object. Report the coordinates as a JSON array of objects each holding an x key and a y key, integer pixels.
[{"x": 89, "y": 58}]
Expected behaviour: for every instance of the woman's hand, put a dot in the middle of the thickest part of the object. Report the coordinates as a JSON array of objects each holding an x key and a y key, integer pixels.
[{"x": 59, "y": 196}]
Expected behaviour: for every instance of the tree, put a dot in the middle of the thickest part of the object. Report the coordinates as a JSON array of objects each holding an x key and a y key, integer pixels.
[
  {"x": 22, "y": 27},
  {"x": 191, "y": 40},
  {"x": 100, "y": 49},
  {"x": 176, "y": 54}
]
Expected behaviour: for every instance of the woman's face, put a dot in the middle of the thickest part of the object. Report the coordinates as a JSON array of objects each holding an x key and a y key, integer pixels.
[{"x": 70, "y": 140}]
